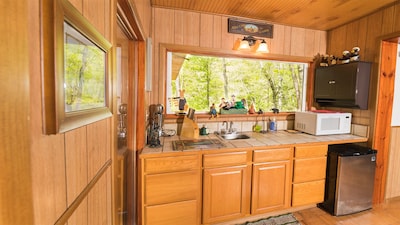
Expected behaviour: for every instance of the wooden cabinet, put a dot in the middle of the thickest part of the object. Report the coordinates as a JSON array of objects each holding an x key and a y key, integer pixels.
[
  {"x": 344, "y": 85},
  {"x": 171, "y": 190},
  {"x": 309, "y": 174},
  {"x": 271, "y": 182},
  {"x": 226, "y": 186},
  {"x": 214, "y": 187}
]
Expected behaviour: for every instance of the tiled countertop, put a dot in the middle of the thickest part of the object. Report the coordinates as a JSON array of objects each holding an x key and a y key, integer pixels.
[{"x": 260, "y": 140}]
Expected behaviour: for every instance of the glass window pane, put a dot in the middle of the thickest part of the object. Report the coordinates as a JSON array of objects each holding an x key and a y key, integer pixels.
[{"x": 200, "y": 81}]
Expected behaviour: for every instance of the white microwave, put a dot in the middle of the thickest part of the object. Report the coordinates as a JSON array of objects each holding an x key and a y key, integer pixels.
[{"x": 323, "y": 123}]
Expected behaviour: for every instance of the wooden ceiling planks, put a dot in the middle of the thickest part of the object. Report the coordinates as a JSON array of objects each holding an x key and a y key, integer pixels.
[{"x": 312, "y": 14}]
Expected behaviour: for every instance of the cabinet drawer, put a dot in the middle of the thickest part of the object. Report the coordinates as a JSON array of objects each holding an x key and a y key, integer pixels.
[
  {"x": 171, "y": 187},
  {"x": 309, "y": 169},
  {"x": 311, "y": 151},
  {"x": 308, "y": 193},
  {"x": 171, "y": 164},
  {"x": 271, "y": 155},
  {"x": 224, "y": 159},
  {"x": 178, "y": 213}
]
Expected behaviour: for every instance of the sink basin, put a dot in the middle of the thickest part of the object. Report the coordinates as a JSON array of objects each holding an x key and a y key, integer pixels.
[
  {"x": 181, "y": 145},
  {"x": 234, "y": 136}
]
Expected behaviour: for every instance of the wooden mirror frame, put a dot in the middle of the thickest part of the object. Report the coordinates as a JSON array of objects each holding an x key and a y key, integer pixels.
[{"x": 55, "y": 118}]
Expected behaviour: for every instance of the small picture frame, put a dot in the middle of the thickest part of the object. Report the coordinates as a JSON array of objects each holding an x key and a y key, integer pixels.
[
  {"x": 250, "y": 28},
  {"x": 76, "y": 71}
]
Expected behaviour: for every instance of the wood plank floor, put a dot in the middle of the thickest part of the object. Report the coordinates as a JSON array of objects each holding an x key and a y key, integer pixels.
[{"x": 384, "y": 214}]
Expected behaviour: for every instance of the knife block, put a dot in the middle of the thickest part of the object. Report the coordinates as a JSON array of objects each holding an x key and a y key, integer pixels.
[{"x": 190, "y": 129}]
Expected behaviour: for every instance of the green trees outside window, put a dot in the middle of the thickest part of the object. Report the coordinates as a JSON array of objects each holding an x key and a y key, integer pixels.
[
  {"x": 84, "y": 72},
  {"x": 207, "y": 79}
]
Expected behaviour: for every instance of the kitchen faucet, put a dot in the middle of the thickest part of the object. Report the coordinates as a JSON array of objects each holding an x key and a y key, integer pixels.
[
  {"x": 230, "y": 129},
  {"x": 226, "y": 127}
]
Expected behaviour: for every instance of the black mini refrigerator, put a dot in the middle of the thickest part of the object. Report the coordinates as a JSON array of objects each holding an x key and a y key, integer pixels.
[{"x": 349, "y": 180}]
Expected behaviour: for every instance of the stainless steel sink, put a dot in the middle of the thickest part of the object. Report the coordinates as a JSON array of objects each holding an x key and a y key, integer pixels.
[
  {"x": 181, "y": 145},
  {"x": 234, "y": 136}
]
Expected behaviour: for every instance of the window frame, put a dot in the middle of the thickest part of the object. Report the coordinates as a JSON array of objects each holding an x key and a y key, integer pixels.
[{"x": 165, "y": 48}]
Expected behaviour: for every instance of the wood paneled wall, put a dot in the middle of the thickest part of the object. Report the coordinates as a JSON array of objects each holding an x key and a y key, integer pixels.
[
  {"x": 393, "y": 178},
  {"x": 64, "y": 165},
  {"x": 211, "y": 31},
  {"x": 15, "y": 181},
  {"x": 144, "y": 16},
  {"x": 367, "y": 34}
]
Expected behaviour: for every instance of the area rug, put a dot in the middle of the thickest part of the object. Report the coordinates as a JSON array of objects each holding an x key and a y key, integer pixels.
[{"x": 285, "y": 219}]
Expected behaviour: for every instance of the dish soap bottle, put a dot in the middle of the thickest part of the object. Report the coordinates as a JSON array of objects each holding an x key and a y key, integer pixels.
[
  {"x": 272, "y": 123},
  {"x": 256, "y": 127}
]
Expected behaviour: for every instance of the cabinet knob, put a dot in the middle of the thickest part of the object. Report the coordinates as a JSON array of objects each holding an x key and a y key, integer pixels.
[{"x": 331, "y": 82}]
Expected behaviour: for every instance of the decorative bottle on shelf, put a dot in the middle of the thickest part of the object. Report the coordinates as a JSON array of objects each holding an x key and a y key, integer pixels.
[{"x": 272, "y": 120}]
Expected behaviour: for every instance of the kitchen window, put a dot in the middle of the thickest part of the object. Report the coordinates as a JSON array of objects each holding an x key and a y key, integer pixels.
[{"x": 201, "y": 81}]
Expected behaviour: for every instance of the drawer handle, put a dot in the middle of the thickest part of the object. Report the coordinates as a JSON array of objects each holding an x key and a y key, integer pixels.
[{"x": 332, "y": 82}]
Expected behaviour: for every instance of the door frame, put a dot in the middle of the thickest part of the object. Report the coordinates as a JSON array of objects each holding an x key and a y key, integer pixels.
[
  {"x": 126, "y": 18},
  {"x": 383, "y": 113}
]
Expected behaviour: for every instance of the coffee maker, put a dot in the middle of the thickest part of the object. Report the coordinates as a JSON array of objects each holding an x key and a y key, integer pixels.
[{"x": 155, "y": 125}]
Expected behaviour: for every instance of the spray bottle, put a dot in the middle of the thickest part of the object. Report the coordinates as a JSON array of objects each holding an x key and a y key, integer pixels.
[{"x": 272, "y": 120}]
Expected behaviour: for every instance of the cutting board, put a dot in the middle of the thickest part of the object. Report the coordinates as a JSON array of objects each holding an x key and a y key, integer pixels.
[{"x": 190, "y": 129}]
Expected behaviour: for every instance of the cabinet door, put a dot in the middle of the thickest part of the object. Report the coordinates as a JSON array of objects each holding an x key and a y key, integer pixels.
[
  {"x": 271, "y": 187},
  {"x": 336, "y": 81},
  {"x": 226, "y": 193},
  {"x": 345, "y": 85},
  {"x": 324, "y": 85}
]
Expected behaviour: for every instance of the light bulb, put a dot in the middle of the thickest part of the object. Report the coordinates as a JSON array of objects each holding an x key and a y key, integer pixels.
[
  {"x": 244, "y": 45},
  {"x": 263, "y": 47}
]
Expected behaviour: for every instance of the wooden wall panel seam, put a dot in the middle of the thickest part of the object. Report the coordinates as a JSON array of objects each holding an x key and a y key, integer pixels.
[{"x": 71, "y": 209}]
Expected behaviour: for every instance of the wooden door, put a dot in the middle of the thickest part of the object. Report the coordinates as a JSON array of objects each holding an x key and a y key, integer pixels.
[
  {"x": 271, "y": 187},
  {"x": 381, "y": 138},
  {"x": 225, "y": 193}
]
